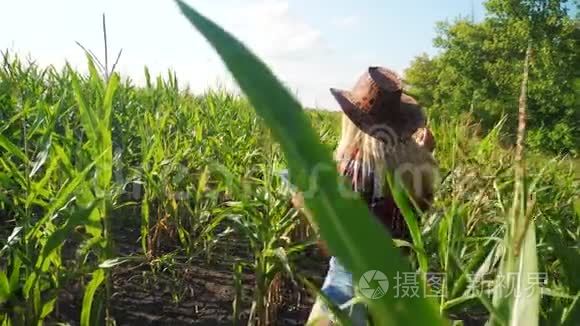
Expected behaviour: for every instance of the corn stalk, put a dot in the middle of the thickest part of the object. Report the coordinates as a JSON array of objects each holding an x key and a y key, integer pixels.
[{"x": 516, "y": 295}]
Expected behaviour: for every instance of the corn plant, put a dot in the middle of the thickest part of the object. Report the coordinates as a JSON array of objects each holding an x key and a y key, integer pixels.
[
  {"x": 84, "y": 156},
  {"x": 304, "y": 152},
  {"x": 263, "y": 216}
]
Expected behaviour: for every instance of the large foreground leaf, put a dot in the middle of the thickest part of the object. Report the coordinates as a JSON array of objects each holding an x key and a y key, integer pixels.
[
  {"x": 90, "y": 290},
  {"x": 359, "y": 241},
  {"x": 526, "y": 302}
]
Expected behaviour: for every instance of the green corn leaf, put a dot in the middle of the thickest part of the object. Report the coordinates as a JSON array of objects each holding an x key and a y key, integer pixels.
[
  {"x": 495, "y": 315},
  {"x": 105, "y": 164},
  {"x": 450, "y": 304},
  {"x": 112, "y": 86},
  {"x": 13, "y": 238},
  {"x": 238, "y": 286},
  {"x": 90, "y": 290},
  {"x": 14, "y": 171},
  {"x": 47, "y": 308},
  {"x": 17, "y": 116},
  {"x": 402, "y": 199},
  {"x": 147, "y": 78},
  {"x": 12, "y": 149},
  {"x": 62, "y": 198},
  {"x": 87, "y": 115},
  {"x": 571, "y": 316},
  {"x": 525, "y": 308},
  {"x": 15, "y": 276},
  {"x": 110, "y": 263},
  {"x": 485, "y": 251},
  {"x": 201, "y": 184},
  {"x": 4, "y": 287},
  {"x": 40, "y": 158},
  {"x": 57, "y": 238},
  {"x": 361, "y": 243},
  {"x": 282, "y": 257},
  {"x": 145, "y": 223},
  {"x": 567, "y": 257},
  {"x": 95, "y": 79},
  {"x": 83, "y": 194},
  {"x": 37, "y": 188},
  {"x": 29, "y": 284}
]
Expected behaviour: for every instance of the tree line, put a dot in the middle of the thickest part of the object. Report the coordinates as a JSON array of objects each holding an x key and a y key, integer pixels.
[{"x": 478, "y": 70}]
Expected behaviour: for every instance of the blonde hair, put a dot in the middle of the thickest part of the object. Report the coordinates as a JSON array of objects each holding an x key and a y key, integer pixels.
[{"x": 409, "y": 163}]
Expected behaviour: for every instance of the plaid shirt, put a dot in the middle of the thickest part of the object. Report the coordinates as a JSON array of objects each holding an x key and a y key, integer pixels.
[{"x": 383, "y": 207}]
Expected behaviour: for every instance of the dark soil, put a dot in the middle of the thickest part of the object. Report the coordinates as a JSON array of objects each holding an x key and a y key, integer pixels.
[
  {"x": 193, "y": 290},
  {"x": 188, "y": 291}
]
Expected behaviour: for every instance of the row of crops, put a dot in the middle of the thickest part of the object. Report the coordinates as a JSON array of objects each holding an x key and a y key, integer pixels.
[{"x": 84, "y": 158}]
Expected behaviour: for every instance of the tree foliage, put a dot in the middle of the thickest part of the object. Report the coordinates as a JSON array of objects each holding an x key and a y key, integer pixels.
[{"x": 479, "y": 70}]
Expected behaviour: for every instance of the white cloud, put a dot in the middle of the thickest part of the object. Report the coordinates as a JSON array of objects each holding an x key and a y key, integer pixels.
[
  {"x": 159, "y": 38},
  {"x": 346, "y": 21},
  {"x": 296, "y": 51},
  {"x": 271, "y": 30}
]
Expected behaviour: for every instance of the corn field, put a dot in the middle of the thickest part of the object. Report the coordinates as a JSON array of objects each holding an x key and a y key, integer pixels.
[{"x": 125, "y": 204}]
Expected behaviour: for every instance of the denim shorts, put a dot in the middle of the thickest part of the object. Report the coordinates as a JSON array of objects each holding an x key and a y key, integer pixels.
[{"x": 339, "y": 288}]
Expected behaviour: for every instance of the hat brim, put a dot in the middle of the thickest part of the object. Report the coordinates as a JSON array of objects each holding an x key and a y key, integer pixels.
[{"x": 409, "y": 117}]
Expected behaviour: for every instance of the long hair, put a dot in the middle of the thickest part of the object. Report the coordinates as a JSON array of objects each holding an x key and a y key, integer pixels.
[{"x": 372, "y": 158}]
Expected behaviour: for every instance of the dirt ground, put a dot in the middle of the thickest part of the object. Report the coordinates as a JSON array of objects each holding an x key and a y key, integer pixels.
[
  {"x": 194, "y": 293},
  {"x": 193, "y": 290}
]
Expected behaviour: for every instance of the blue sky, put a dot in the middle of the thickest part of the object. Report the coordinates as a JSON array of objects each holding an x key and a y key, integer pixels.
[{"x": 310, "y": 44}]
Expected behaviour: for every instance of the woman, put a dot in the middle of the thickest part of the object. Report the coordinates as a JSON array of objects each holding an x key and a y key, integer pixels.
[{"x": 383, "y": 131}]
